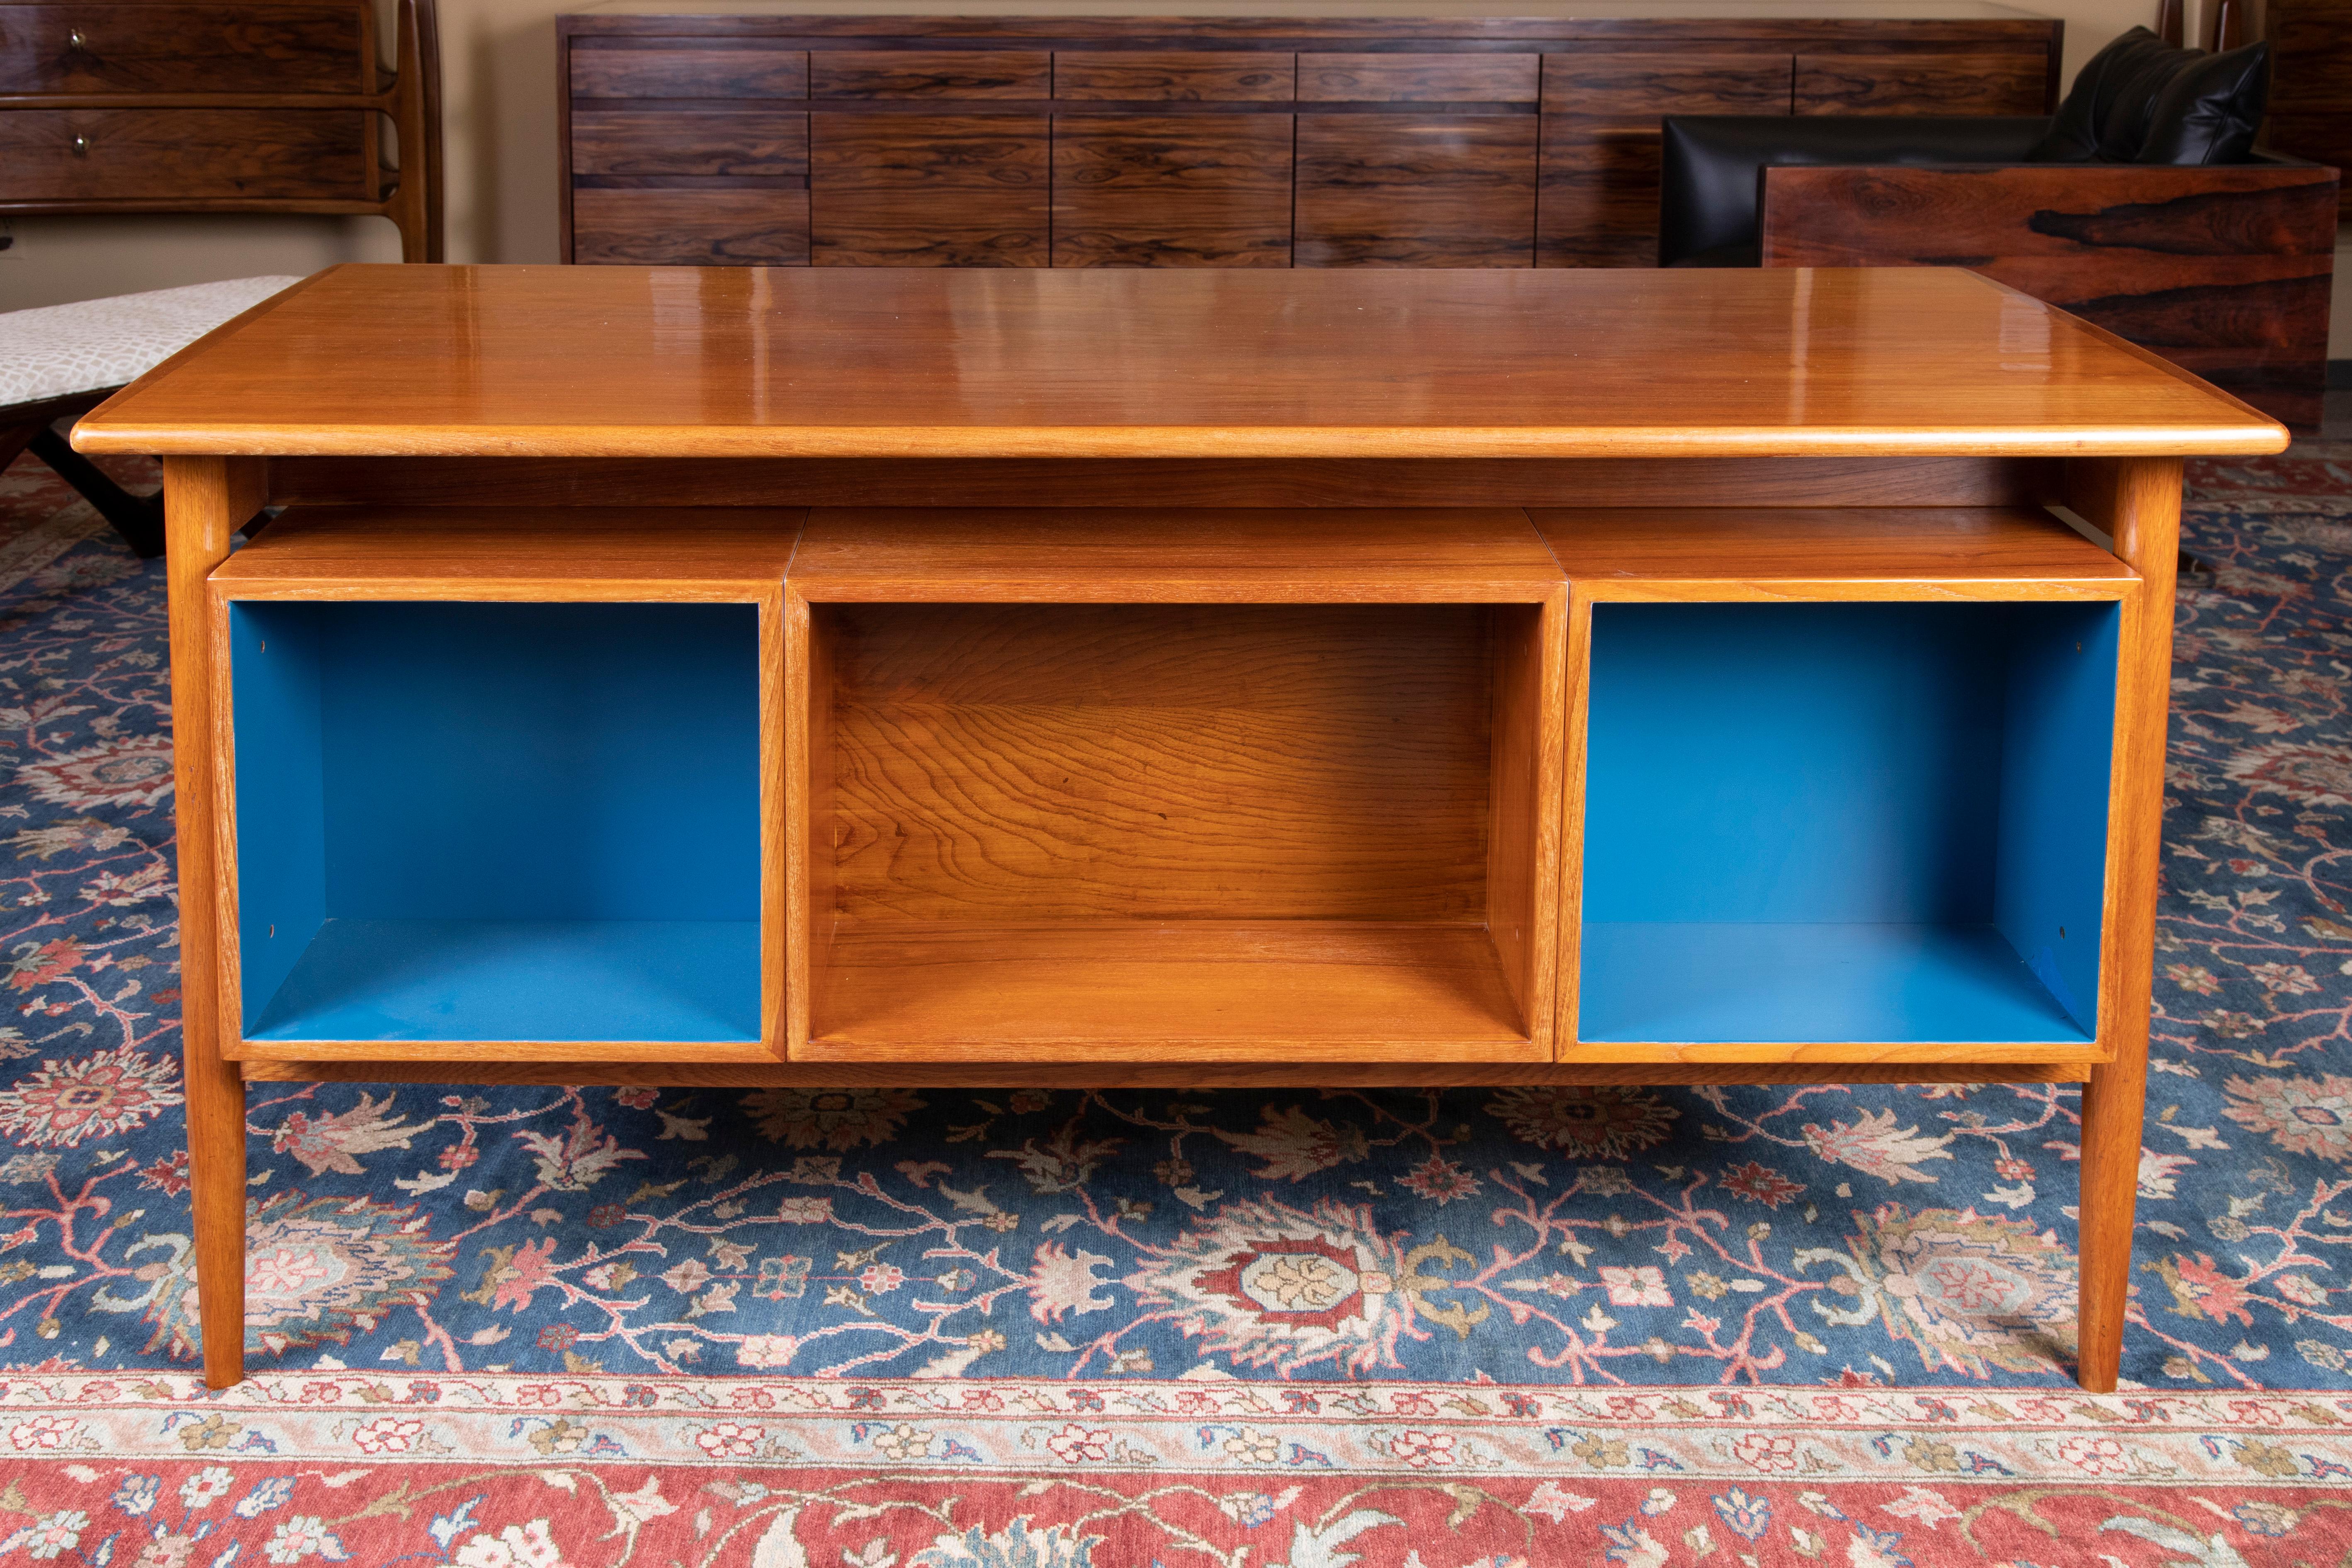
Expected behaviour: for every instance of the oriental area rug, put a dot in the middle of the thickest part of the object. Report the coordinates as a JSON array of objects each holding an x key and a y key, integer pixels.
[{"x": 1491, "y": 1329}]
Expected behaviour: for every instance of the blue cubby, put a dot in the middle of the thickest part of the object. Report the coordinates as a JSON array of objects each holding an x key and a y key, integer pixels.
[
  {"x": 496, "y": 821},
  {"x": 1825, "y": 822}
]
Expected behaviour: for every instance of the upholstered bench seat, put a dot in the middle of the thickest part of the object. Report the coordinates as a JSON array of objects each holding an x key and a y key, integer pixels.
[{"x": 58, "y": 362}]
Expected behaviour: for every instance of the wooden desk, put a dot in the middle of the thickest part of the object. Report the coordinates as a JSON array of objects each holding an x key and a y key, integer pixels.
[{"x": 733, "y": 677}]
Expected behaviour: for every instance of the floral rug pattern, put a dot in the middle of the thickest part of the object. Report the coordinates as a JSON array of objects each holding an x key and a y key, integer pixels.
[{"x": 914, "y": 1328}]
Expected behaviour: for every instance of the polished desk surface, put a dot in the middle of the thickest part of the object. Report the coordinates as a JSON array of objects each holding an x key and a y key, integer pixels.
[
  {"x": 557, "y": 362},
  {"x": 1532, "y": 12}
]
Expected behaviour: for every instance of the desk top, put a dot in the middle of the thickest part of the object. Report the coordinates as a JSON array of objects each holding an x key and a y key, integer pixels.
[{"x": 586, "y": 362}]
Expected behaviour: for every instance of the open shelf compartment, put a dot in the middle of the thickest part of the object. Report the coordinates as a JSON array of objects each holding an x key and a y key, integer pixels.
[
  {"x": 506, "y": 823},
  {"x": 1864, "y": 815},
  {"x": 1208, "y": 786}
]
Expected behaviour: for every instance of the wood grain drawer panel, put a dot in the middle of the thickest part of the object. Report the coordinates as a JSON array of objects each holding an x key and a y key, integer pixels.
[
  {"x": 1921, "y": 83},
  {"x": 1404, "y": 191},
  {"x": 1637, "y": 88},
  {"x": 700, "y": 228},
  {"x": 1200, "y": 190},
  {"x": 684, "y": 141},
  {"x": 900, "y": 190},
  {"x": 1176, "y": 75},
  {"x": 732, "y": 72},
  {"x": 930, "y": 73},
  {"x": 183, "y": 154},
  {"x": 183, "y": 48},
  {"x": 1599, "y": 203},
  {"x": 1417, "y": 78}
]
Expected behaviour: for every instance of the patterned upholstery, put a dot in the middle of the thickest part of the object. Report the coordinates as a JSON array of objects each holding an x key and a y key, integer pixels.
[{"x": 59, "y": 350}]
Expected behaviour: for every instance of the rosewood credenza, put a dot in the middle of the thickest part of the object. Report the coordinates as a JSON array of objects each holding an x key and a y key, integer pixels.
[{"x": 702, "y": 132}]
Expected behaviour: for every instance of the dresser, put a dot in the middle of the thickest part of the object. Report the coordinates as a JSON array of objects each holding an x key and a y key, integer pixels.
[
  {"x": 263, "y": 106},
  {"x": 1288, "y": 134}
]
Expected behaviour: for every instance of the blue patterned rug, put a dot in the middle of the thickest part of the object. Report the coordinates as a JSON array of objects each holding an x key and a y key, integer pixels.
[{"x": 1866, "y": 1237}]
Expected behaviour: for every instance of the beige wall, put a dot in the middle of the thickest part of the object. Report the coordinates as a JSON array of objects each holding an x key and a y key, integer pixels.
[{"x": 498, "y": 78}]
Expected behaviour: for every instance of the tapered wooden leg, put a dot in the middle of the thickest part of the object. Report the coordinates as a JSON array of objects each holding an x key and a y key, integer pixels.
[
  {"x": 206, "y": 499},
  {"x": 2138, "y": 501}
]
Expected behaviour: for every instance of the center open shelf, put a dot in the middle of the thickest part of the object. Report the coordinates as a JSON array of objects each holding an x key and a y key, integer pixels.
[{"x": 1139, "y": 788}]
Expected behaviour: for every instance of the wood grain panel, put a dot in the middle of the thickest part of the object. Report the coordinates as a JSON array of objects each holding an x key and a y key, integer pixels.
[
  {"x": 740, "y": 142},
  {"x": 1599, "y": 203},
  {"x": 1417, "y": 78},
  {"x": 700, "y": 228},
  {"x": 930, "y": 73},
  {"x": 183, "y": 48},
  {"x": 1176, "y": 75},
  {"x": 1922, "y": 83},
  {"x": 1079, "y": 762},
  {"x": 1203, "y": 190},
  {"x": 925, "y": 191},
  {"x": 178, "y": 154},
  {"x": 1634, "y": 89},
  {"x": 1398, "y": 190},
  {"x": 734, "y": 72},
  {"x": 2223, "y": 270},
  {"x": 1047, "y": 484}
]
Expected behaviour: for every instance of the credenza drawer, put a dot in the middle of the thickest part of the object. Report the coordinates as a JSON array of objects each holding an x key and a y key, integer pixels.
[
  {"x": 1417, "y": 78},
  {"x": 690, "y": 141},
  {"x": 1177, "y": 76},
  {"x": 700, "y": 228},
  {"x": 1637, "y": 88},
  {"x": 1920, "y": 84},
  {"x": 732, "y": 70},
  {"x": 182, "y": 49},
  {"x": 184, "y": 154},
  {"x": 930, "y": 73}
]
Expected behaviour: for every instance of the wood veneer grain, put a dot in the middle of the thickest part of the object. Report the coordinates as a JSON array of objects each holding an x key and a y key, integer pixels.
[
  {"x": 897, "y": 191},
  {"x": 1409, "y": 191},
  {"x": 1200, "y": 190}
]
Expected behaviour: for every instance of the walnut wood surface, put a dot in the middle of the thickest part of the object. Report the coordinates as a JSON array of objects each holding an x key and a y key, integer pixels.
[
  {"x": 924, "y": 191},
  {"x": 764, "y": 227},
  {"x": 670, "y": 141},
  {"x": 1417, "y": 78},
  {"x": 1175, "y": 76},
  {"x": 646, "y": 71},
  {"x": 181, "y": 48},
  {"x": 1601, "y": 83},
  {"x": 1398, "y": 190},
  {"x": 927, "y": 74},
  {"x": 1940, "y": 84},
  {"x": 910, "y": 362},
  {"x": 148, "y": 154},
  {"x": 2224, "y": 271},
  {"x": 1201, "y": 190}
]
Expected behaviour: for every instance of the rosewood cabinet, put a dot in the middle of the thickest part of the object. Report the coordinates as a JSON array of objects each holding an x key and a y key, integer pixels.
[{"x": 699, "y": 134}]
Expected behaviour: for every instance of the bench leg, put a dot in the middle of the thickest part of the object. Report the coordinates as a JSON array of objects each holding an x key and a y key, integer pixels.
[{"x": 138, "y": 519}]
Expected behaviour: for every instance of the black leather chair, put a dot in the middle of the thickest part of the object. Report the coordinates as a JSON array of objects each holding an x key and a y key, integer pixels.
[{"x": 2140, "y": 206}]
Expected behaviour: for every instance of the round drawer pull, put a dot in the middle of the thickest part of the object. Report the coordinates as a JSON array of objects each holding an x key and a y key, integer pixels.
[
  {"x": 81, "y": 146},
  {"x": 74, "y": 40}
]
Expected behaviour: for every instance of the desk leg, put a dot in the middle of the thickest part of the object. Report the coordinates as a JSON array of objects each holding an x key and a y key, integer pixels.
[
  {"x": 2136, "y": 501},
  {"x": 206, "y": 499}
]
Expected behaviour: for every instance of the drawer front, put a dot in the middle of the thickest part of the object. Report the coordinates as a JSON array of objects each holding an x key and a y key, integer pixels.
[
  {"x": 1392, "y": 190},
  {"x": 905, "y": 190},
  {"x": 694, "y": 228},
  {"x": 1600, "y": 206},
  {"x": 1635, "y": 90},
  {"x": 166, "y": 154},
  {"x": 1417, "y": 78},
  {"x": 739, "y": 71},
  {"x": 1229, "y": 75},
  {"x": 183, "y": 48},
  {"x": 930, "y": 73},
  {"x": 1196, "y": 190},
  {"x": 688, "y": 141},
  {"x": 1922, "y": 84}
]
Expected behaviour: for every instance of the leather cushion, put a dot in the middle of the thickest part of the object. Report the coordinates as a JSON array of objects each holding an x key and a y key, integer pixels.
[
  {"x": 2210, "y": 112},
  {"x": 2088, "y": 112}
]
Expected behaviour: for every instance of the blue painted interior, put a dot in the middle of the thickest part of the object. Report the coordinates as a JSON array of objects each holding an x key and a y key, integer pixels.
[
  {"x": 402, "y": 767},
  {"x": 1827, "y": 822}
]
